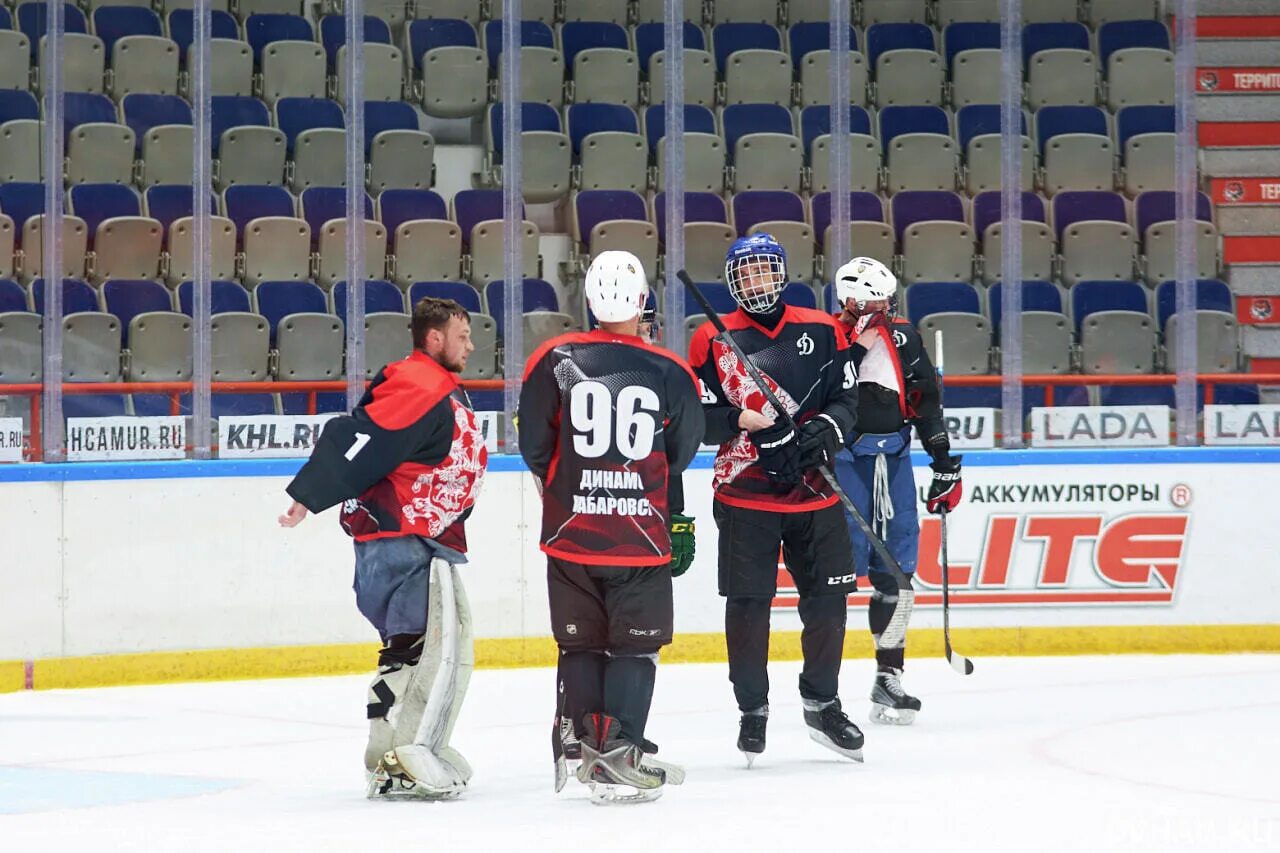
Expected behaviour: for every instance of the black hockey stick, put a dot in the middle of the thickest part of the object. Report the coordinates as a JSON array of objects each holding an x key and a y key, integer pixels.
[
  {"x": 877, "y": 544},
  {"x": 959, "y": 662}
]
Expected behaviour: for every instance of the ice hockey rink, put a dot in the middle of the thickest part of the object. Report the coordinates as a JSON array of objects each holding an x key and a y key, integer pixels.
[{"x": 1103, "y": 753}]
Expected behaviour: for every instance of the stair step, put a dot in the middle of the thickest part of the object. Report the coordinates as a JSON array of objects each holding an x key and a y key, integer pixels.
[
  {"x": 1260, "y": 341},
  {"x": 1254, "y": 279},
  {"x": 1239, "y": 162},
  {"x": 1253, "y": 249},
  {"x": 1226, "y": 108},
  {"x": 1238, "y": 26},
  {"x": 1235, "y": 7},
  {"x": 1238, "y": 134},
  {"x": 1237, "y": 52}
]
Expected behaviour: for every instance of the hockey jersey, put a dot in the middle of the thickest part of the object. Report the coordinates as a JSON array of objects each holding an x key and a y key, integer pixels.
[
  {"x": 607, "y": 423},
  {"x": 408, "y": 461},
  {"x": 806, "y": 361},
  {"x": 897, "y": 384}
]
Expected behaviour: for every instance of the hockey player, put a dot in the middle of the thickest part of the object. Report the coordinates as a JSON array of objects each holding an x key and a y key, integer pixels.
[
  {"x": 767, "y": 493},
  {"x": 606, "y": 423},
  {"x": 897, "y": 388},
  {"x": 407, "y": 465}
]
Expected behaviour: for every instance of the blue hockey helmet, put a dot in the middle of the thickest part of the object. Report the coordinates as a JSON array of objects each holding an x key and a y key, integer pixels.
[{"x": 755, "y": 269}]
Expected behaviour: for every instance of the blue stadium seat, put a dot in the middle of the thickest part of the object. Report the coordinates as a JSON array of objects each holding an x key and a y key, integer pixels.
[
  {"x": 156, "y": 405},
  {"x": 429, "y": 33},
  {"x": 979, "y": 120},
  {"x": 897, "y": 36},
  {"x": 223, "y": 296},
  {"x": 20, "y": 201},
  {"x": 6, "y": 20},
  {"x": 86, "y": 108},
  {"x": 1053, "y": 36},
  {"x": 295, "y": 115},
  {"x": 1155, "y": 206},
  {"x": 799, "y": 294},
  {"x": 243, "y": 203},
  {"x": 379, "y": 296},
  {"x": 112, "y": 23},
  {"x": 1118, "y": 35},
  {"x": 815, "y": 121},
  {"x": 585, "y": 119},
  {"x": 142, "y": 112},
  {"x": 863, "y": 207},
  {"x": 127, "y": 299},
  {"x": 591, "y": 207},
  {"x": 933, "y": 297},
  {"x": 76, "y": 296},
  {"x": 538, "y": 296},
  {"x": 1088, "y": 297},
  {"x": 698, "y": 207},
  {"x": 398, "y": 206},
  {"x": 742, "y": 119},
  {"x": 697, "y": 119},
  {"x": 474, "y": 206},
  {"x": 1056, "y": 120},
  {"x": 1135, "y": 120},
  {"x": 95, "y": 203},
  {"x": 577, "y": 36},
  {"x": 380, "y": 116},
  {"x": 228, "y": 111},
  {"x": 755, "y": 206},
  {"x": 649, "y": 40},
  {"x": 809, "y": 36},
  {"x": 533, "y": 116},
  {"x": 897, "y": 120},
  {"x": 262, "y": 29},
  {"x": 167, "y": 202},
  {"x": 1231, "y": 394},
  {"x": 333, "y": 33},
  {"x": 969, "y": 35},
  {"x": 16, "y": 104},
  {"x": 911, "y": 206},
  {"x": 717, "y": 293},
  {"x": 986, "y": 209},
  {"x": 318, "y": 205},
  {"x": 1211, "y": 295},
  {"x": 33, "y": 22},
  {"x": 180, "y": 29},
  {"x": 532, "y": 34},
  {"x": 278, "y": 299},
  {"x": 1036, "y": 296},
  {"x": 461, "y": 292},
  {"x": 13, "y": 297},
  {"x": 1085, "y": 205},
  {"x": 727, "y": 38}
]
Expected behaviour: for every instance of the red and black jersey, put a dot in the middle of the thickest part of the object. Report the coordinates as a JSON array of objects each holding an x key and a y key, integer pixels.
[
  {"x": 897, "y": 383},
  {"x": 408, "y": 461},
  {"x": 607, "y": 422},
  {"x": 806, "y": 361}
]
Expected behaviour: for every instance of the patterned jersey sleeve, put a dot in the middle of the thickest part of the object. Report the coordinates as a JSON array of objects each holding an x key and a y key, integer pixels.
[
  {"x": 721, "y": 415},
  {"x": 841, "y": 381},
  {"x": 686, "y": 424},
  {"x": 924, "y": 396},
  {"x": 538, "y": 414}
]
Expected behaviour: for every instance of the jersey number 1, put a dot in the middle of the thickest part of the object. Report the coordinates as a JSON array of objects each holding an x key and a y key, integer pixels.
[{"x": 599, "y": 422}]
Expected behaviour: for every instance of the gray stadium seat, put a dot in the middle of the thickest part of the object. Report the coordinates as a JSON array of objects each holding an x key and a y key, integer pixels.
[
  {"x": 1117, "y": 342},
  {"x": 1046, "y": 342},
  {"x": 1098, "y": 250},
  {"x": 100, "y": 153},
  {"x": 546, "y": 163},
  {"x": 614, "y": 161},
  {"x": 292, "y": 69},
  {"x": 83, "y": 63},
  {"x": 966, "y": 341},
  {"x": 704, "y": 162},
  {"x": 937, "y": 251},
  {"x": 144, "y": 64},
  {"x": 75, "y": 241},
  {"x": 245, "y": 8},
  {"x": 1077, "y": 161},
  {"x": 319, "y": 159},
  {"x": 7, "y": 238},
  {"x": 455, "y": 82},
  {"x": 15, "y": 72},
  {"x": 1037, "y": 252},
  {"x": 20, "y": 151},
  {"x": 230, "y": 68},
  {"x": 768, "y": 161},
  {"x": 705, "y": 246},
  {"x": 797, "y": 239},
  {"x": 91, "y": 347},
  {"x": 699, "y": 78},
  {"x": 629, "y": 235},
  {"x": 758, "y": 77},
  {"x": 21, "y": 348},
  {"x": 333, "y": 251},
  {"x": 126, "y": 247},
  {"x": 250, "y": 155},
  {"x": 815, "y": 78},
  {"x": 222, "y": 258},
  {"x": 909, "y": 77},
  {"x": 97, "y": 4},
  {"x": 651, "y": 11},
  {"x": 1062, "y": 76},
  {"x": 1139, "y": 75},
  {"x": 1217, "y": 342},
  {"x": 746, "y": 12},
  {"x": 894, "y": 11},
  {"x": 1048, "y": 11},
  {"x": 541, "y": 76},
  {"x": 427, "y": 250},
  {"x": 606, "y": 75},
  {"x": 160, "y": 346},
  {"x": 801, "y": 11},
  {"x": 542, "y": 326},
  {"x": 401, "y": 159},
  {"x": 613, "y": 11},
  {"x": 1161, "y": 255},
  {"x": 387, "y": 338},
  {"x": 166, "y": 155},
  {"x": 1101, "y": 11},
  {"x": 1148, "y": 159},
  {"x": 976, "y": 78},
  {"x": 238, "y": 344},
  {"x": 484, "y": 336},
  {"x": 864, "y": 163},
  {"x": 951, "y": 11},
  {"x": 394, "y": 12},
  {"x": 383, "y": 73},
  {"x": 487, "y": 258},
  {"x": 530, "y": 10},
  {"x": 866, "y": 239},
  {"x": 922, "y": 161},
  {"x": 982, "y": 169},
  {"x": 276, "y": 248},
  {"x": 309, "y": 347}
]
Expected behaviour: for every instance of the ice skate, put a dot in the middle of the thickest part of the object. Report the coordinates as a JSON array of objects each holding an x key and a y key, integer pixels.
[
  {"x": 615, "y": 768},
  {"x": 829, "y": 726},
  {"x": 566, "y": 749},
  {"x": 890, "y": 704},
  {"x": 751, "y": 733},
  {"x": 414, "y": 772}
]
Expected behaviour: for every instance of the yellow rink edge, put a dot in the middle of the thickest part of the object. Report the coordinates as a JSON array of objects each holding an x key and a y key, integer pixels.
[{"x": 353, "y": 658}]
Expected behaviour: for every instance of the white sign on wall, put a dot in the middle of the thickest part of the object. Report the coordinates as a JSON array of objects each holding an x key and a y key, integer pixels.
[
  {"x": 969, "y": 429},
  {"x": 120, "y": 438},
  {"x": 1241, "y": 424},
  {"x": 269, "y": 436},
  {"x": 490, "y": 424},
  {"x": 1100, "y": 426},
  {"x": 10, "y": 439}
]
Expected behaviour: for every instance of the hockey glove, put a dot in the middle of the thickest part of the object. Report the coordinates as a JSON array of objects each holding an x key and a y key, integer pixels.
[
  {"x": 779, "y": 450},
  {"x": 946, "y": 488},
  {"x": 820, "y": 441},
  {"x": 683, "y": 544}
]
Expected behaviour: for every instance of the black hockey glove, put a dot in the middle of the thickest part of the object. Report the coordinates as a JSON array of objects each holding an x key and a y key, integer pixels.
[
  {"x": 946, "y": 488},
  {"x": 683, "y": 544},
  {"x": 779, "y": 450},
  {"x": 820, "y": 441}
]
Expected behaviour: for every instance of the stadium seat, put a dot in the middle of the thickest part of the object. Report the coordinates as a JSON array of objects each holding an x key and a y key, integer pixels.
[
  {"x": 1210, "y": 295},
  {"x": 13, "y": 297},
  {"x": 1159, "y": 260},
  {"x": 387, "y": 335},
  {"x": 978, "y": 130},
  {"x": 600, "y": 62},
  {"x": 729, "y": 38},
  {"x": 937, "y": 244},
  {"x": 21, "y": 200},
  {"x": 292, "y": 69},
  {"x": 427, "y": 245},
  {"x": 813, "y": 61},
  {"x": 230, "y": 68},
  {"x": 972, "y": 51},
  {"x": 244, "y": 203},
  {"x": 959, "y": 11},
  {"x": 318, "y": 205},
  {"x": 167, "y": 203},
  {"x": 239, "y": 344},
  {"x": 533, "y": 33},
  {"x": 309, "y": 340},
  {"x": 613, "y": 11},
  {"x": 966, "y": 341},
  {"x": 1145, "y": 137},
  {"x": 934, "y": 297},
  {"x": 98, "y": 149},
  {"x": 90, "y": 351},
  {"x": 707, "y": 235},
  {"x": 717, "y": 294},
  {"x": 765, "y": 151},
  {"x": 704, "y": 148},
  {"x": 450, "y": 67},
  {"x": 799, "y": 294},
  {"x": 127, "y": 298},
  {"x": 546, "y": 154},
  {"x": 332, "y": 249},
  {"x": 758, "y": 77},
  {"x": 649, "y": 39},
  {"x": 77, "y": 297},
  {"x": 919, "y": 151},
  {"x": 383, "y": 73},
  {"x": 487, "y": 258},
  {"x": 869, "y": 235},
  {"x": 464, "y": 294},
  {"x": 699, "y": 78},
  {"x": 1075, "y": 149},
  {"x": 471, "y": 207},
  {"x": 315, "y": 141},
  {"x": 20, "y": 128},
  {"x": 8, "y": 241},
  {"x": 246, "y": 148},
  {"x": 160, "y": 349},
  {"x": 125, "y": 243},
  {"x": 1060, "y": 66},
  {"x": 894, "y": 11},
  {"x": 163, "y": 134},
  {"x": 543, "y": 318},
  {"x": 782, "y": 215},
  {"x": 75, "y": 244},
  {"x": 815, "y": 134},
  {"x": 616, "y": 219},
  {"x": 143, "y": 63},
  {"x": 15, "y": 48},
  {"x": 1039, "y": 248},
  {"x": 112, "y": 23},
  {"x": 1217, "y": 342},
  {"x": 1095, "y": 239},
  {"x": 379, "y": 297},
  {"x": 180, "y": 242},
  {"x": 1117, "y": 332},
  {"x": 276, "y": 248},
  {"x": 611, "y": 153},
  {"x": 1048, "y": 11},
  {"x": 33, "y": 21},
  {"x": 400, "y": 155},
  {"x": 1161, "y": 206},
  {"x": 224, "y": 296},
  {"x": 1140, "y": 75},
  {"x": 1046, "y": 331},
  {"x": 1128, "y": 33},
  {"x": 275, "y": 300},
  {"x": 21, "y": 351},
  {"x": 333, "y": 35},
  {"x": 906, "y": 64},
  {"x": 180, "y": 28},
  {"x": 83, "y": 65},
  {"x": 805, "y": 37},
  {"x": 651, "y": 11},
  {"x": 263, "y": 29}
]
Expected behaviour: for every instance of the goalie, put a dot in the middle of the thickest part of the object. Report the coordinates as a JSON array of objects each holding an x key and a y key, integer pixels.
[{"x": 407, "y": 465}]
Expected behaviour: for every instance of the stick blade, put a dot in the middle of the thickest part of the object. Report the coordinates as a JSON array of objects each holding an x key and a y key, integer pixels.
[{"x": 959, "y": 663}]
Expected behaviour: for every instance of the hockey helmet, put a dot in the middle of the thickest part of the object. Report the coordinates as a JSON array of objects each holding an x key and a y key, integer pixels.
[
  {"x": 616, "y": 286},
  {"x": 866, "y": 280},
  {"x": 755, "y": 268}
]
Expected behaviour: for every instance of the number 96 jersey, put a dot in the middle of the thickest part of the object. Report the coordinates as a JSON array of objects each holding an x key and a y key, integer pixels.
[{"x": 605, "y": 422}]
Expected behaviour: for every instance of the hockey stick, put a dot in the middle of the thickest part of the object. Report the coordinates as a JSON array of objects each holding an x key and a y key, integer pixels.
[
  {"x": 959, "y": 662},
  {"x": 877, "y": 544}
]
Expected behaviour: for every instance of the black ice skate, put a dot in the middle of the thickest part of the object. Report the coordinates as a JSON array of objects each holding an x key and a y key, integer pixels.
[
  {"x": 565, "y": 749},
  {"x": 751, "y": 733},
  {"x": 615, "y": 768},
  {"x": 890, "y": 704},
  {"x": 829, "y": 726}
]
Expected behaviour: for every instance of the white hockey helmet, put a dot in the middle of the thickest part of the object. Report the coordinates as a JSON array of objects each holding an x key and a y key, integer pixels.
[
  {"x": 616, "y": 287},
  {"x": 865, "y": 280}
]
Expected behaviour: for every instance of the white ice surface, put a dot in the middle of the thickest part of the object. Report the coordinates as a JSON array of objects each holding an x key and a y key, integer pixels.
[{"x": 1027, "y": 754}]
